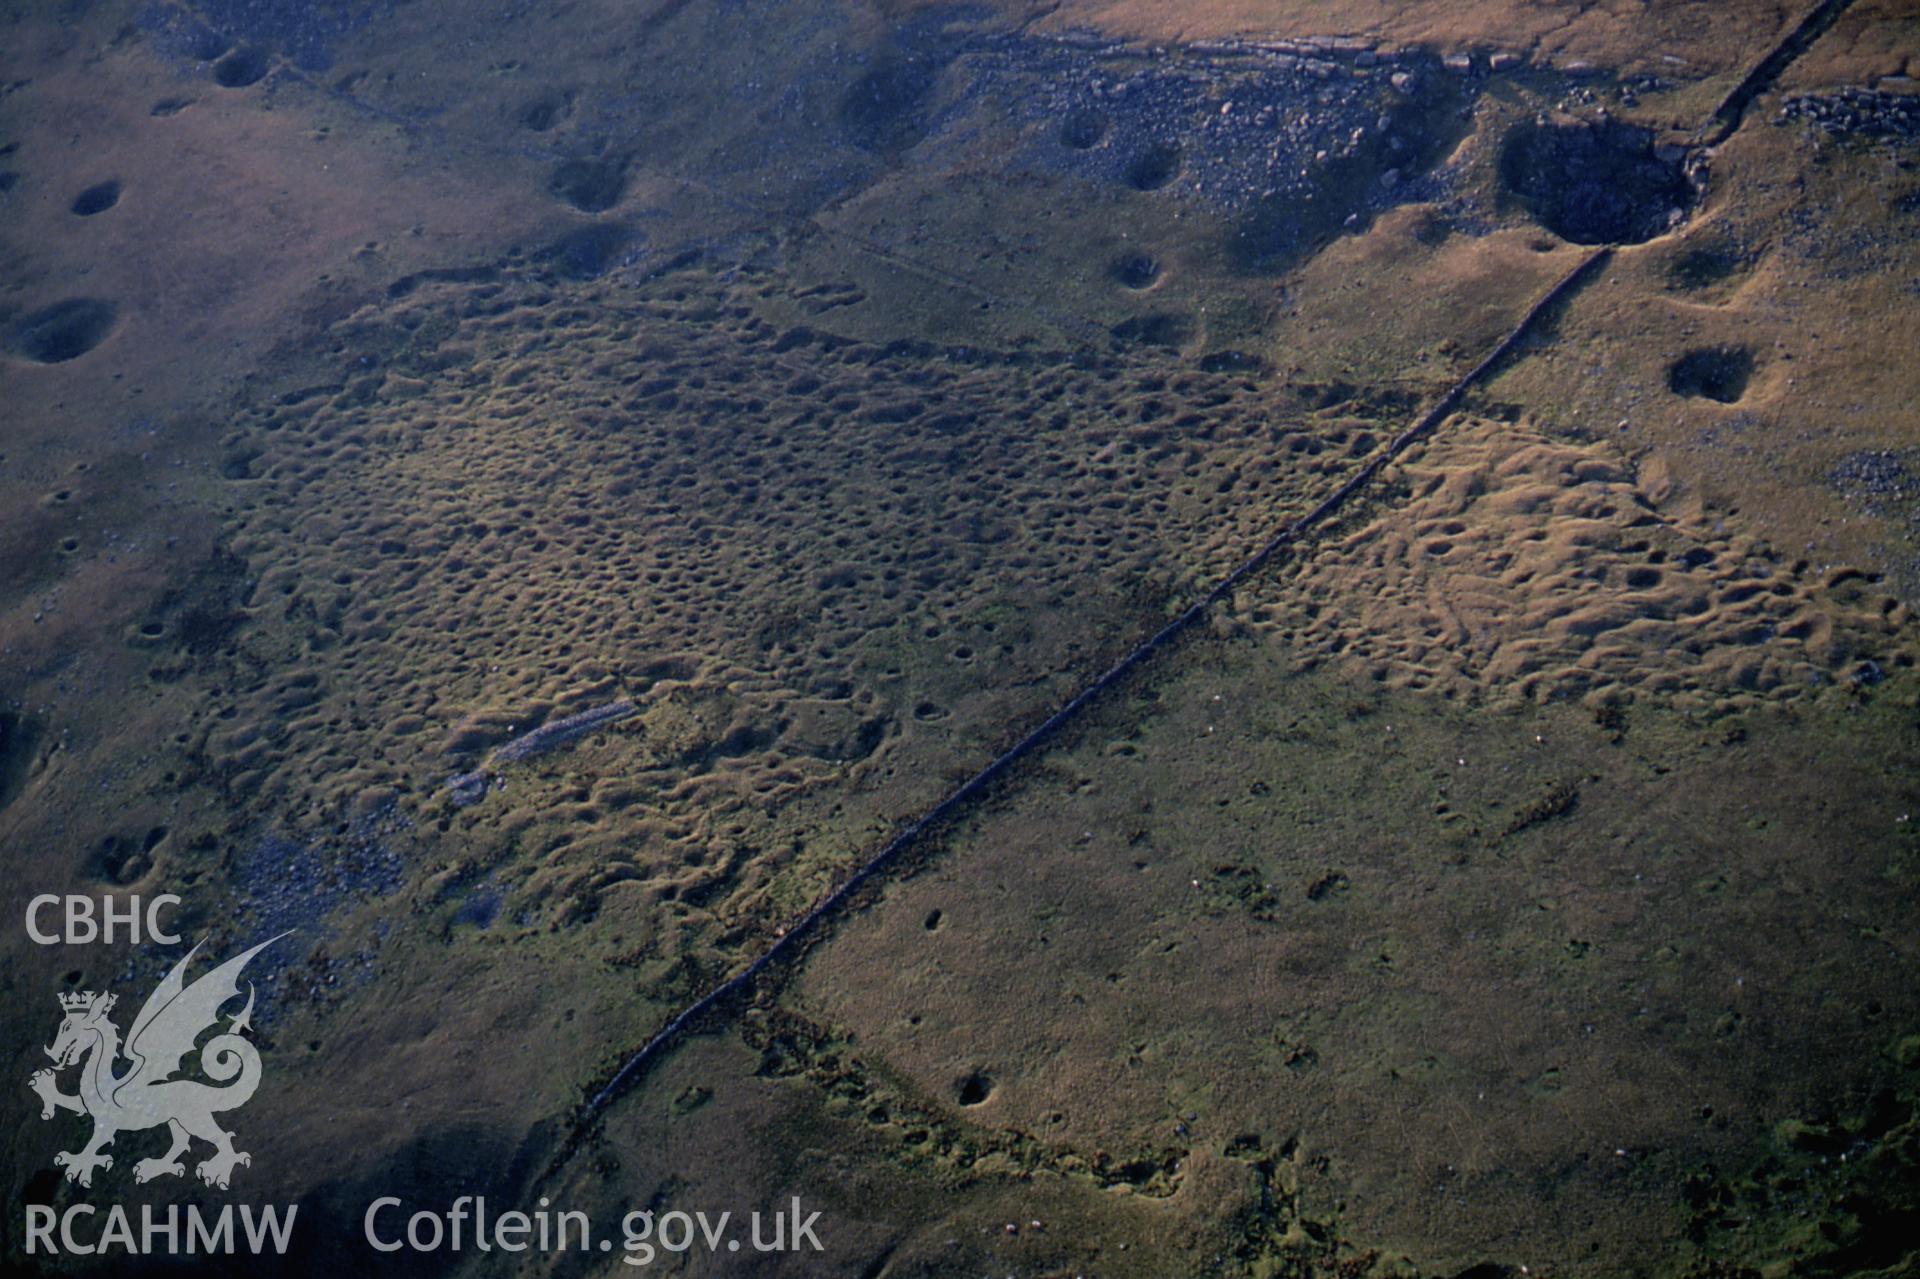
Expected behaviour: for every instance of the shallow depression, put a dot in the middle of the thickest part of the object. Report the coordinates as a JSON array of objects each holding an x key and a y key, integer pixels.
[{"x": 64, "y": 331}]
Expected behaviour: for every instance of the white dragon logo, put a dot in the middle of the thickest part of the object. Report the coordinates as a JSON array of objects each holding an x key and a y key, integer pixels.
[{"x": 146, "y": 1096}]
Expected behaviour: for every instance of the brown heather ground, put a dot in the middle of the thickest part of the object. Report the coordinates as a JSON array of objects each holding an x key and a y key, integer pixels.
[{"x": 1520, "y": 874}]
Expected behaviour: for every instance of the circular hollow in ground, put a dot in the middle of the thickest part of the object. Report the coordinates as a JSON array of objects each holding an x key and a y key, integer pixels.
[
  {"x": 1135, "y": 270},
  {"x": 1704, "y": 266},
  {"x": 242, "y": 67},
  {"x": 1154, "y": 167},
  {"x": 1714, "y": 373},
  {"x": 543, "y": 113},
  {"x": 591, "y": 186},
  {"x": 97, "y": 198},
  {"x": 1082, "y": 129},
  {"x": 119, "y": 860},
  {"x": 1594, "y": 183},
  {"x": 975, "y": 1088},
  {"x": 64, "y": 331}
]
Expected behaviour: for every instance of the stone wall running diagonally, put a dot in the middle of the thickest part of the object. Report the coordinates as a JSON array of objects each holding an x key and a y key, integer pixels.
[
  {"x": 790, "y": 942},
  {"x": 1733, "y": 108},
  {"x": 1725, "y": 120}
]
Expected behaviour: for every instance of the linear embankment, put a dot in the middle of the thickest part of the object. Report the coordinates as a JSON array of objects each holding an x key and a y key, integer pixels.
[
  {"x": 1724, "y": 121},
  {"x": 789, "y": 944},
  {"x": 1733, "y": 108}
]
